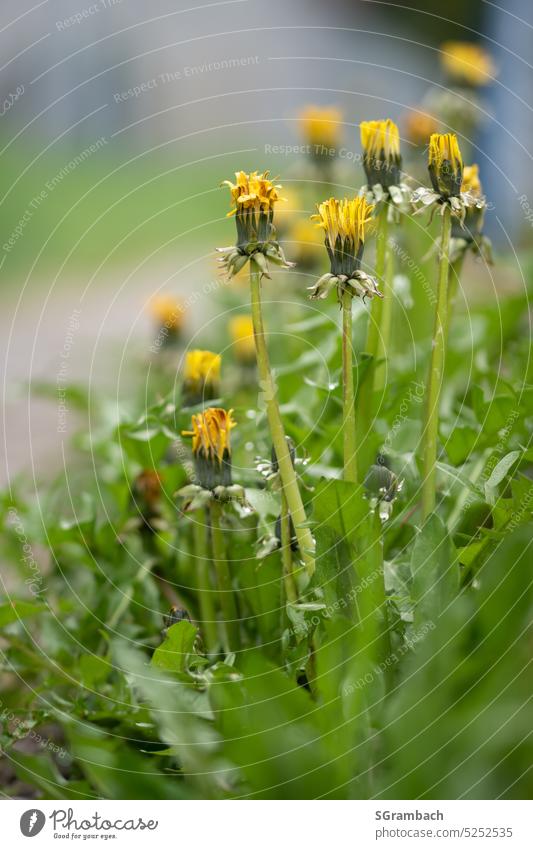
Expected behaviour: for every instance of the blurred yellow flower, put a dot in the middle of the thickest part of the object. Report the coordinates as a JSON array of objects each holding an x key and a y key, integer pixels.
[
  {"x": 419, "y": 126},
  {"x": 241, "y": 330},
  {"x": 471, "y": 182},
  {"x": 321, "y": 125},
  {"x": 305, "y": 238},
  {"x": 201, "y": 376},
  {"x": 467, "y": 63},
  {"x": 167, "y": 310}
]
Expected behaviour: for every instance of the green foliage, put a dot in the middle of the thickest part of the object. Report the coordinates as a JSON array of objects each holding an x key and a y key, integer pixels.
[{"x": 400, "y": 667}]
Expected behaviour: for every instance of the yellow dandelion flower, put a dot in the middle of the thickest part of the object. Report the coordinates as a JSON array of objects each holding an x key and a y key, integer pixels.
[
  {"x": 254, "y": 191},
  {"x": 201, "y": 376},
  {"x": 347, "y": 220},
  {"x": 241, "y": 330},
  {"x": 380, "y": 141},
  {"x": 304, "y": 239},
  {"x": 167, "y": 311},
  {"x": 321, "y": 125},
  {"x": 467, "y": 63},
  {"x": 346, "y": 224},
  {"x": 471, "y": 182},
  {"x": 419, "y": 126},
  {"x": 211, "y": 446},
  {"x": 445, "y": 164}
]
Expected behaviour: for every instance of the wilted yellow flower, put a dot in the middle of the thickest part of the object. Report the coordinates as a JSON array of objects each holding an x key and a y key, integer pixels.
[
  {"x": 419, "y": 126},
  {"x": 201, "y": 376},
  {"x": 321, "y": 125},
  {"x": 471, "y": 182},
  {"x": 241, "y": 329},
  {"x": 467, "y": 63},
  {"x": 167, "y": 311},
  {"x": 445, "y": 164},
  {"x": 346, "y": 224},
  {"x": 254, "y": 191},
  {"x": 381, "y": 152},
  {"x": 211, "y": 446}
]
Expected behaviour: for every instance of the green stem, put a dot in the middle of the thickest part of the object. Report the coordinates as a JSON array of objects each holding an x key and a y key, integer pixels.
[
  {"x": 375, "y": 319},
  {"x": 205, "y": 591},
  {"x": 453, "y": 283},
  {"x": 383, "y": 351},
  {"x": 289, "y": 582},
  {"x": 228, "y": 605},
  {"x": 289, "y": 481},
  {"x": 434, "y": 382},
  {"x": 348, "y": 396}
]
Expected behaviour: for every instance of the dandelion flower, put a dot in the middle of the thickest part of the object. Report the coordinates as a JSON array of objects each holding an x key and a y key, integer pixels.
[
  {"x": 201, "y": 376},
  {"x": 346, "y": 224},
  {"x": 321, "y": 126},
  {"x": 211, "y": 446},
  {"x": 241, "y": 330},
  {"x": 467, "y": 63}
]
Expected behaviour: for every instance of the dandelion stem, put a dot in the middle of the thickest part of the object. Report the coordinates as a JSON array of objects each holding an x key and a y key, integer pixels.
[
  {"x": 453, "y": 283},
  {"x": 385, "y": 319},
  {"x": 205, "y": 591},
  {"x": 436, "y": 368},
  {"x": 230, "y": 618},
  {"x": 288, "y": 475},
  {"x": 348, "y": 396},
  {"x": 291, "y": 591},
  {"x": 375, "y": 319}
]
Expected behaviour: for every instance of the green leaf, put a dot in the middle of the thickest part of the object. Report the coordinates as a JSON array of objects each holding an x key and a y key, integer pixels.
[
  {"x": 178, "y": 644},
  {"x": 435, "y": 571},
  {"x": 12, "y": 611},
  {"x": 93, "y": 669},
  {"x": 498, "y": 474}
]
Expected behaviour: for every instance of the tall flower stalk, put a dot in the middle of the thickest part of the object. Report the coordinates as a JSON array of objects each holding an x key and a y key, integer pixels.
[
  {"x": 206, "y": 594},
  {"x": 469, "y": 236},
  {"x": 445, "y": 167},
  {"x": 345, "y": 224},
  {"x": 382, "y": 163},
  {"x": 253, "y": 199},
  {"x": 211, "y": 448}
]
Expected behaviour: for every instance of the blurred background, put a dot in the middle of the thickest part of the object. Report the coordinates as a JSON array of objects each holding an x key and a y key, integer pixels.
[{"x": 120, "y": 119}]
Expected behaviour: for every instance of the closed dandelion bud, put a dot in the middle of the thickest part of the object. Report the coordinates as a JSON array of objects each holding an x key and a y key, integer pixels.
[
  {"x": 381, "y": 153},
  {"x": 445, "y": 164},
  {"x": 241, "y": 330},
  {"x": 346, "y": 224},
  {"x": 201, "y": 376},
  {"x": 211, "y": 447},
  {"x": 467, "y": 63}
]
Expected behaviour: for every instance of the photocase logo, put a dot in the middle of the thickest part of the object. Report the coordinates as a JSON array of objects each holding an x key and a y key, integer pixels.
[{"x": 32, "y": 822}]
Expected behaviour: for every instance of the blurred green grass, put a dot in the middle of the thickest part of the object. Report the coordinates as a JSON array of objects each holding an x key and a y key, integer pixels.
[{"x": 109, "y": 209}]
